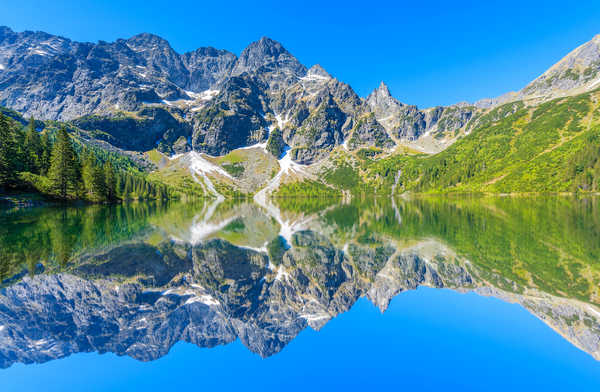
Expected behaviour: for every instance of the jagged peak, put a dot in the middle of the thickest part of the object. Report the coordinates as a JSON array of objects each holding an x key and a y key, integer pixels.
[
  {"x": 383, "y": 89},
  {"x": 317, "y": 70},
  {"x": 147, "y": 38},
  {"x": 265, "y": 46},
  {"x": 266, "y": 51},
  {"x": 381, "y": 92}
]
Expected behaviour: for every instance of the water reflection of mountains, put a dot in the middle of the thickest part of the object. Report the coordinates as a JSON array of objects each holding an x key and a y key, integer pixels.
[{"x": 136, "y": 279}]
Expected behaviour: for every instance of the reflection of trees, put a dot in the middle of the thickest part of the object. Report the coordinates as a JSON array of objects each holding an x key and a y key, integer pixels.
[
  {"x": 551, "y": 243},
  {"x": 57, "y": 234}
]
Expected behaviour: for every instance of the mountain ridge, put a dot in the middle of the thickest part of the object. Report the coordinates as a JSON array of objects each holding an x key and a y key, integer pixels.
[{"x": 140, "y": 95}]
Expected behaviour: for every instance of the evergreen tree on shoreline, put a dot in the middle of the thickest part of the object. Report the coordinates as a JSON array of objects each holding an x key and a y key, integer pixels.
[
  {"x": 7, "y": 154},
  {"x": 33, "y": 149},
  {"x": 46, "y": 154},
  {"x": 63, "y": 173},
  {"x": 110, "y": 181}
]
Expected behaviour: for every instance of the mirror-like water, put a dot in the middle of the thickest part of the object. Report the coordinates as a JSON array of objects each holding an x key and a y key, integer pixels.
[{"x": 370, "y": 282}]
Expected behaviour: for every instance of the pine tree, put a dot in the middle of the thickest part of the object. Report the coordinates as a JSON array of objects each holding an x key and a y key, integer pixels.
[
  {"x": 88, "y": 162},
  {"x": 119, "y": 185},
  {"x": 46, "y": 154},
  {"x": 33, "y": 149},
  {"x": 98, "y": 184},
  {"x": 110, "y": 181},
  {"x": 21, "y": 158},
  {"x": 64, "y": 166},
  {"x": 7, "y": 154},
  {"x": 93, "y": 177}
]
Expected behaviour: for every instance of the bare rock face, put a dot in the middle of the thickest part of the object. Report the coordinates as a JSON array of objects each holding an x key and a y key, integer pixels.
[
  {"x": 270, "y": 59},
  {"x": 54, "y": 78},
  {"x": 409, "y": 123},
  {"x": 233, "y": 118},
  {"x": 369, "y": 133},
  {"x": 319, "y": 132},
  {"x": 577, "y": 73},
  {"x": 208, "y": 68},
  {"x": 149, "y": 128},
  {"x": 579, "y": 70},
  {"x": 230, "y": 102}
]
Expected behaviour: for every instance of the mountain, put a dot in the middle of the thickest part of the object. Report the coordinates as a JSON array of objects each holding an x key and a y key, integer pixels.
[
  {"x": 434, "y": 128},
  {"x": 576, "y": 73},
  {"x": 211, "y": 101},
  {"x": 54, "y": 78},
  {"x": 139, "y": 97},
  {"x": 517, "y": 147}
]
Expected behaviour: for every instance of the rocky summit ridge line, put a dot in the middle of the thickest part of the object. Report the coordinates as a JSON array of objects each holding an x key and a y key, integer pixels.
[{"x": 139, "y": 93}]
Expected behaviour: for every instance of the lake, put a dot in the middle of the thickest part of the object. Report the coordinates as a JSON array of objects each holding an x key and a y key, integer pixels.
[{"x": 469, "y": 293}]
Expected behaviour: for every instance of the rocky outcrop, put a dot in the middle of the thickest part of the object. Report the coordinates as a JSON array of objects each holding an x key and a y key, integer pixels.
[
  {"x": 147, "y": 129},
  {"x": 54, "y": 78},
  {"x": 233, "y": 118},
  {"x": 319, "y": 133},
  {"x": 369, "y": 133},
  {"x": 579, "y": 70},
  {"x": 208, "y": 68},
  {"x": 271, "y": 62},
  {"x": 276, "y": 145},
  {"x": 409, "y": 123},
  {"x": 230, "y": 102},
  {"x": 576, "y": 73}
]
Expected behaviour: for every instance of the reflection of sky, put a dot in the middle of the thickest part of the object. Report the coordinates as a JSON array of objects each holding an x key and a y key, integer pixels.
[{"x": 428, "y": 339}]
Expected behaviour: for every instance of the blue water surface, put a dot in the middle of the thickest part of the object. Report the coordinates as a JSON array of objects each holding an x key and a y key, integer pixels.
[{"x": 429, "y": 339}]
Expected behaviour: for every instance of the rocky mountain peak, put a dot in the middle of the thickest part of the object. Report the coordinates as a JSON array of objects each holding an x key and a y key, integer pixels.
[
  {"x": 209, "y": 51},
  {"x": 577, "y": 72},
  {"x": 317, "y": 70},
  {"x": 266, "y": 51},
  {"x": 5, "y": 30},
  {"x": 267, "y": 46},
  {"x": 146, "y": 39},
  {"x": 382, "y": 101},
  {"x": 383, "y": 89}
]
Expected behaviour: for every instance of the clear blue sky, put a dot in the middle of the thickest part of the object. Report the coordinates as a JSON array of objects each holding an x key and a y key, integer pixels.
[{"x": 429, "y": 53}]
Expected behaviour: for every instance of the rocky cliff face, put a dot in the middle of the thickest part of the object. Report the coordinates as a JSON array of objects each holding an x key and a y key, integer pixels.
[
  {"x": 221, "y": 102},
  {"x": 579, "y": 71},
  {"x": 409, "y": 123},
  {"x": 54, "y": 78},
  {"x": 217, "y": 101},
  {"x": 576, "y": 73}
]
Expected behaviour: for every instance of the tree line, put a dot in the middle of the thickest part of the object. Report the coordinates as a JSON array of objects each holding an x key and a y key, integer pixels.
[{"x": 30, "y": 159}]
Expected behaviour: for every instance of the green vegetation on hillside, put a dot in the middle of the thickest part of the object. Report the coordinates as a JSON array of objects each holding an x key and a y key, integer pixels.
[
  {"x": 306, "y": 188},
  {"x": 552, "y": 147},
  {"x": 59, "y": 166}
]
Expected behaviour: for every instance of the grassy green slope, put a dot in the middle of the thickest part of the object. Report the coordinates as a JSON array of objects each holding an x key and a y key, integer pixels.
[{"x": 552, "y": 147}]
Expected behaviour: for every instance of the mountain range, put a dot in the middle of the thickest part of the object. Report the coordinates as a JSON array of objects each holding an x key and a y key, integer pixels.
[{"x": 139, "y": 97}]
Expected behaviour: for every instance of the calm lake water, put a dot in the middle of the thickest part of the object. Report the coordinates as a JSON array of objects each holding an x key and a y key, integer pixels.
[{"x": 434, "y": 294}]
